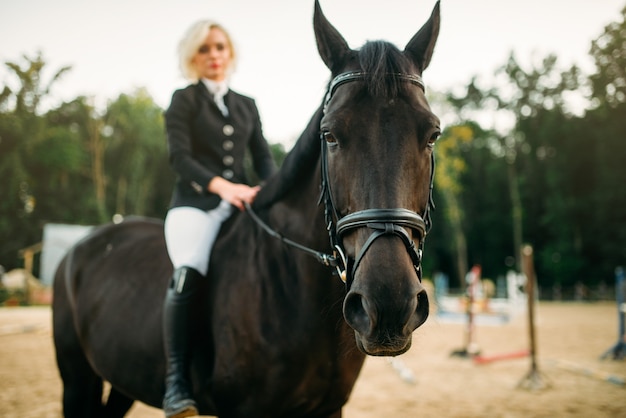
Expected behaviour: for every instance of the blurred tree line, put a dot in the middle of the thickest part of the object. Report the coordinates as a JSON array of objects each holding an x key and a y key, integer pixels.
[{"x": 554, "y": 178}]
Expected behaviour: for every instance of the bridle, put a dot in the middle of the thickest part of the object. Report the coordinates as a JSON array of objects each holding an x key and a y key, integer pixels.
[{"x": 382, "y": 222}]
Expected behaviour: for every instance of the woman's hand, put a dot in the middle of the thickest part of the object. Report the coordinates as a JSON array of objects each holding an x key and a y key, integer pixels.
[{"x": 234, "y": 193}]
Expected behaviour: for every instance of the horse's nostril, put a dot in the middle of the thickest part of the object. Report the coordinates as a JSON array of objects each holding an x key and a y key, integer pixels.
[
  {"x": 422, "y": 308},
  {"x": 355, "y": 310}
]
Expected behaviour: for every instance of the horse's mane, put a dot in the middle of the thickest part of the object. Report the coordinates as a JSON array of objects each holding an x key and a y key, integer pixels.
[
  {"x": 377, "y": 59},
  {"x": 299, "y": 164}
]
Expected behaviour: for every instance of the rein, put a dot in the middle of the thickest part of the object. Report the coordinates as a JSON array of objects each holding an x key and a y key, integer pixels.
[
  {"x": 326, "y": 259},
  {"x": 393, "y": 221}
]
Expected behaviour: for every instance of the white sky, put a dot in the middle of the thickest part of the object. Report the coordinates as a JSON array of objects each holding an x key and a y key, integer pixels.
[{"x": 116, "y": 46}]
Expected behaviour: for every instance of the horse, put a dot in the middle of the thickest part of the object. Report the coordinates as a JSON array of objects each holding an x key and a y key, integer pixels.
[{"x": 321, "y": 271}]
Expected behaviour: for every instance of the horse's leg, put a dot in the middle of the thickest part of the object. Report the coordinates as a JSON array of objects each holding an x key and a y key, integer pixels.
[
  {"x": 117, "y": 404},
  {"x": 82, "y": 387},
  {"x": 82, "y": 392}
]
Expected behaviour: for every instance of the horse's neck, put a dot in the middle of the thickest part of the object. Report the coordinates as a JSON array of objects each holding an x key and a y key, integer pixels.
[
  {"x": 299, "y": 218},
  {"x": 300, "y": 214},
  {"x": 291, "y": 207}
]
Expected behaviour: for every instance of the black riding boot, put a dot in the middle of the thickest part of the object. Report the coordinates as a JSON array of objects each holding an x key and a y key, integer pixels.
[{"x": 178, "y": 401}]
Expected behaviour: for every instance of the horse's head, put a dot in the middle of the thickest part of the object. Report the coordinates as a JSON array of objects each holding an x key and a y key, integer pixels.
[{"x": 378, "y": 134}]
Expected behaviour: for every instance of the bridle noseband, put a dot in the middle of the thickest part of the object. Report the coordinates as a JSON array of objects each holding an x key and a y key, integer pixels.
[{"x": 382, "y": 222}]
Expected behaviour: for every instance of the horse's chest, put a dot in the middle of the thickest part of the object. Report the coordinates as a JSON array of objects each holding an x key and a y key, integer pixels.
[{"x": 288, "y": 383}]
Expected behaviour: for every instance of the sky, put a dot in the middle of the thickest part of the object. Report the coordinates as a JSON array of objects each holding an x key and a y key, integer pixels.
[{"x": 117, "y": 46}]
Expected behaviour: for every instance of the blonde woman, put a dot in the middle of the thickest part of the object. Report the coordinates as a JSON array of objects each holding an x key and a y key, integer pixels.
[{"x": 209, "y": 128}]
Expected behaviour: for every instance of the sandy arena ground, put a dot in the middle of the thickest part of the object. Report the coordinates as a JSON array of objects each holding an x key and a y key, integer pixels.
[{"x": 442, "y": 386}]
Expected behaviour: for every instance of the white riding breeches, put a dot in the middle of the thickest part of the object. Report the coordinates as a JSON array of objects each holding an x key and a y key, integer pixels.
[{"x": 190, "y": 234}]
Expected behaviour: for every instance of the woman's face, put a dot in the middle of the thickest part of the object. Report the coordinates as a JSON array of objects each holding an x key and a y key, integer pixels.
[{"x": 214, "y": 56}]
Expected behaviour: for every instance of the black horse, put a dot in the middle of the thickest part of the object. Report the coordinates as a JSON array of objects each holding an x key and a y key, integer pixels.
[{"x": 270, "y": 338}]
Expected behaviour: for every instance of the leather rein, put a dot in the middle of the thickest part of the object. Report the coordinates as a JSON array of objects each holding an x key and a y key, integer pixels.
[{"x": 392, "y": 221}]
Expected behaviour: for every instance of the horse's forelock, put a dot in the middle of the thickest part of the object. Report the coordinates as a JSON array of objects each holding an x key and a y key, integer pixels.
[{"x": 378, "y": 58}]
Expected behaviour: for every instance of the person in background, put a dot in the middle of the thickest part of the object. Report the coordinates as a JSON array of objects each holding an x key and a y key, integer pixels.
[{"x": 209, "y": 128}]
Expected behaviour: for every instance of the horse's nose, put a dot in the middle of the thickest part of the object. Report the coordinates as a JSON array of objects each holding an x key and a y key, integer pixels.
[{"x": 377, "y": 318}]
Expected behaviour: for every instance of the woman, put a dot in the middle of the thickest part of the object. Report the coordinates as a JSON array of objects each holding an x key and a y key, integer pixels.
[{"x": 209, "y": 128}]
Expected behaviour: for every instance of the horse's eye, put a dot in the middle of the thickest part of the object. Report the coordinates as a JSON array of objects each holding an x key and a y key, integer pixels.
[
  {"x": 433, "y": 138},
  {"x": 329, "y": 138}
]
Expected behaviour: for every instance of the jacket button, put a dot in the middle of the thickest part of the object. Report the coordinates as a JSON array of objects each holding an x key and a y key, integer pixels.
[
  {"x": 228, "y": 130},
  {"x": 228, "y": 160},
  {"x": 228, "y": 145},
  {"x": 228, "y": 174}
]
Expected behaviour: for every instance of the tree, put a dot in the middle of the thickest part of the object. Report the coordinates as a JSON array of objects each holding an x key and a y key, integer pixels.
[
  {"x": 605, "y": 149},
  {"x": 31, "y": 89},
  {"x": 536, "y": 101},
  {"x": 22, "y": 136},
  {"x": 140, "y": 180},
  {"x": 78, "y": 174},
  {"x": 609, "y": 53},
  {"x": 448, "y": 171}
]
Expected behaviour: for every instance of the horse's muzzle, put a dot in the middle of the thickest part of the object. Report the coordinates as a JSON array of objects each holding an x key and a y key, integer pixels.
[{"x": 384, "y": 325}]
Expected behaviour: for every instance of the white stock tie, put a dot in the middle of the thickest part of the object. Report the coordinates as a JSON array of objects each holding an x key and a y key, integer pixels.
[
  {"x": 218, "y": 90},
  {"x": 219, "y": 101}
]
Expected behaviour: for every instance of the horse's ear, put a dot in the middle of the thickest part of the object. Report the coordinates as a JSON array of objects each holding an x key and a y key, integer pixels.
[
  {"x": 332, "y": 47},
  {"x": 420, "y": 48}
]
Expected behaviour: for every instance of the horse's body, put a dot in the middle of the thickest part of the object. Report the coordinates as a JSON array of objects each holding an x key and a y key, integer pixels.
[{"x": 274, "y": 336}]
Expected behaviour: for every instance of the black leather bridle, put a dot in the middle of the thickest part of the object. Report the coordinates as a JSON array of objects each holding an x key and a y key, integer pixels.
[{"x": 382, "y": 222}]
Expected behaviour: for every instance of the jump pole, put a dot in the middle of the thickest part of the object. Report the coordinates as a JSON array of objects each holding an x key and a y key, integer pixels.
[
  {"x": 534, "y": 379},
  {"x": 585, "y": 371},
  {"x": 618, "y": 351},
  {"x": 499, "y": 357}
]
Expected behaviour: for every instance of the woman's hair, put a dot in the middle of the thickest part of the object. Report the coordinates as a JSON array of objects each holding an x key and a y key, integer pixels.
[{"x": 192, "y": 41}]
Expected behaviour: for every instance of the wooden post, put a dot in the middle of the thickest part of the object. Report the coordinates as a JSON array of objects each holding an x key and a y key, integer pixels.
[
  {"x": 28, "y": 254},
  {"x": 534, "y": 379}
]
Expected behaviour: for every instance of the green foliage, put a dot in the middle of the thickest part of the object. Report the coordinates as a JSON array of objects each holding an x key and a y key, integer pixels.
[
  {"x": 609, "y": 53},
  {"x": 564, "y": 172},
  {"x": 61, "y": 165},
  {"x": 605, "y": 146},
  {"x": 136, "y": 145}
]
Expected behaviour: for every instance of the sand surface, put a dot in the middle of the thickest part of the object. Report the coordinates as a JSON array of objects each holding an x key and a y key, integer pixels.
[{"x": 424, "y": 382}]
